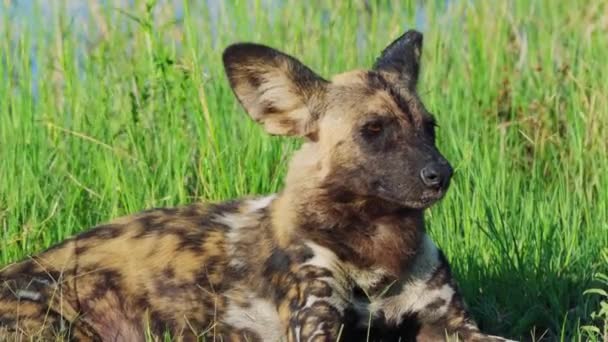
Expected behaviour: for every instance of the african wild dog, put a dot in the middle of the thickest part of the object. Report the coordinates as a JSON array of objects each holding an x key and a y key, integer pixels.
[{"x": 342, "y": 245}]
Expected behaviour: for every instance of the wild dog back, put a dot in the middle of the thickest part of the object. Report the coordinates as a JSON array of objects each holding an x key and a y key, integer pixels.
[{"x": 185, "y": 270}]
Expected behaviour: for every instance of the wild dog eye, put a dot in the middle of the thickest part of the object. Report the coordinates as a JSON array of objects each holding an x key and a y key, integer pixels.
[
  {"x": 372, "y": 129},
  {"x": 375, "y": 127}
]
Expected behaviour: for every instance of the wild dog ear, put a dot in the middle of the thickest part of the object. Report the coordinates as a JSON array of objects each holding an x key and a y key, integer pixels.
[
  {"x": 275, "y": 89},
  {"x": 401, "y": 58}
]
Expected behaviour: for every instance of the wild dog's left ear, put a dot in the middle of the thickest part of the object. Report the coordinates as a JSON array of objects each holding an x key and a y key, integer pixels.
[
  {"x": 401, "y": 59},
  {"x": 276, "y": 89}
]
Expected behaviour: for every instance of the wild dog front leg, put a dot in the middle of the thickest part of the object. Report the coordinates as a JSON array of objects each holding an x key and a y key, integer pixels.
[
  {"x": 444, "y": 315},
  {"x": 427, "y": 303},
  {"x": 313, "y": 308},
  {"x": 318, "y": 321}
]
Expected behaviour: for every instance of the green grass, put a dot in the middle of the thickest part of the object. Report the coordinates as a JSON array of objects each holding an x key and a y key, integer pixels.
[{"x": 127, "y": 108}]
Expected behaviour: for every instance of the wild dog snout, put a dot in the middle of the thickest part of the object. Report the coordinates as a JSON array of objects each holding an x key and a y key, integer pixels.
[{"x": 436, "y": 175}]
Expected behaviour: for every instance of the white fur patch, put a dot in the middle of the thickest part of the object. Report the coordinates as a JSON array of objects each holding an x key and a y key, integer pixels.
[
  {"x": 236, "y": 220},
  {"x": 367, "y": 279},
  {"x": 250, "y": 217},
  {"x": 260, "y": 317},
  {"x": 260, "y": 203},
  {"x": 415, "y": 295},
  {"x": 322, "y": 257},
  {"x": 26, "y": 294},
  {"x": 325, "y": 258}
]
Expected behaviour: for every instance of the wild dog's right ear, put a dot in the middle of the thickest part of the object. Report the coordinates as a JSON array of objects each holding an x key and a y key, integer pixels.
[
  {"x": 275, "y": 89},
  {"x": 401, "y": 59}
]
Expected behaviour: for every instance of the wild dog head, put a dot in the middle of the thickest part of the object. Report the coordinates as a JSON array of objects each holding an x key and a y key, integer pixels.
[{"x": 367, "y": 132}]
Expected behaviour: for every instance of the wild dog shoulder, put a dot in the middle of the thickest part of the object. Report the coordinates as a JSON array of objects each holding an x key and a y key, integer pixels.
[{"x": 311, "y": 290}]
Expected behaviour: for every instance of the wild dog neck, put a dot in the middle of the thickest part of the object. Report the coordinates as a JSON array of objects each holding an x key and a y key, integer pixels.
[
  {"x": 370, "y": 137},
  {"x": 365, "y": 231}
]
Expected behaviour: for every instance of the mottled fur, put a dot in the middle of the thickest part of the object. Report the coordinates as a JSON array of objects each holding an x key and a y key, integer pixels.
[{"x": 342, "y": 245}]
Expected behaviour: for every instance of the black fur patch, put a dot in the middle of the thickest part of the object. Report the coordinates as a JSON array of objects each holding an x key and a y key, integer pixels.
[
  {"x": 104, "y": 232},
  {"x": 278, "y": 262},
  {"x": 377, "y": 81}
]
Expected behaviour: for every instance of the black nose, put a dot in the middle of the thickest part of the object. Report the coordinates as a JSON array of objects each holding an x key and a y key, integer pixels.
[{"x": 436, "y": 175}]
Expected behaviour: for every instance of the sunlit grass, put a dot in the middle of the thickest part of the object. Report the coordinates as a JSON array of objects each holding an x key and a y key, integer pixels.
[{"x": 119, "y": 108}]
